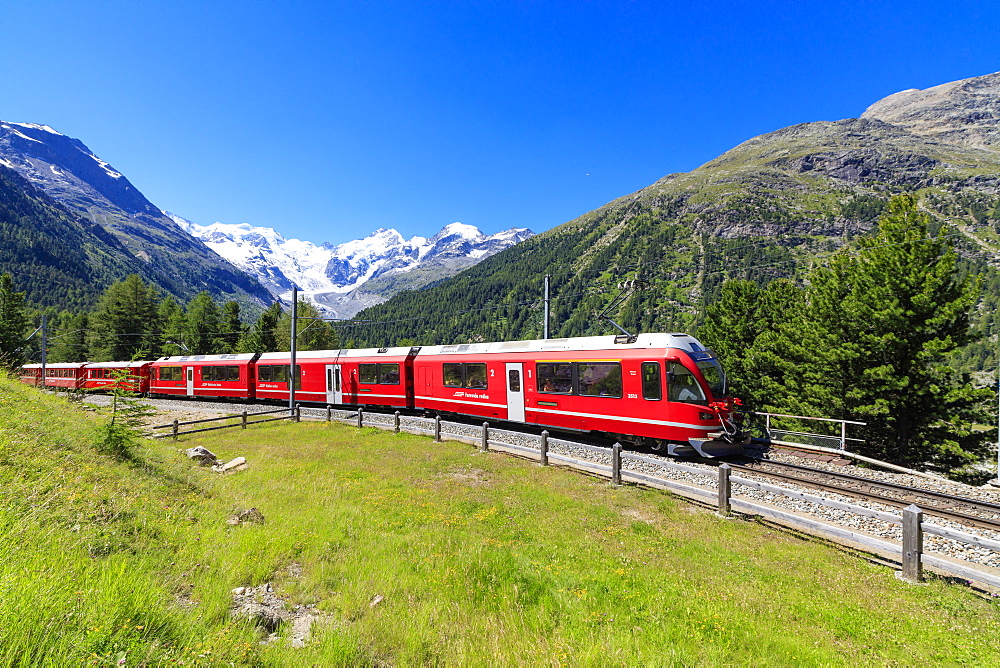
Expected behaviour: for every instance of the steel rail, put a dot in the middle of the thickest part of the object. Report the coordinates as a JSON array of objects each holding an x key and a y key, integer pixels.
[{"x": 913, "y": 492}]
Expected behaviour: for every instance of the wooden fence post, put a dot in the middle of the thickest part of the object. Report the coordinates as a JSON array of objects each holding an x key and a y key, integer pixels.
[
  {"x": 616, "y": 464},
  {"x": 175, "y": 430},
  {"x": 913, "y": 543},
  {"x": 329, "y": 413},
  {"x": 543, "y": 456},
  {"x": 243, "y": 420},
  {"x": 485, "y": 444},
  {"x": 361, "y": 417},
  {"x": 298, "y": 412},
  {"x": 395, "y": 422},
  {"x": 437, "y": 428},
  {"x": 725, "y": 490}
]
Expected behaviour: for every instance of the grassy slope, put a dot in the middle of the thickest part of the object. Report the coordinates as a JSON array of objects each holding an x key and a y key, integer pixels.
[{"x": 478, "y": 557}]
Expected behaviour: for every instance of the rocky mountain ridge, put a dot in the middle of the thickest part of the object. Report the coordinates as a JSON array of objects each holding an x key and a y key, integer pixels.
[
  {"x": 965, "y": 112},
  {"x": 68, "y": 172},
  {"x": 341, "y": 280}
]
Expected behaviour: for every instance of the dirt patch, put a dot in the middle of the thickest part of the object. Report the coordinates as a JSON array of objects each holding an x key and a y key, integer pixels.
[
  {"x": 470, "y": 476},
  {"x": 636, "y": 514}
]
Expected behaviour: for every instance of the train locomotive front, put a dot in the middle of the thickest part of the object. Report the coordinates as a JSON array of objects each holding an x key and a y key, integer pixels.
[{"x": 696, "y": 382}]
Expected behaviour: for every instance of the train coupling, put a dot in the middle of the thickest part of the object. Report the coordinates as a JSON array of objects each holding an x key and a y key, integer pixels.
[{"x": 723, "y": 446}]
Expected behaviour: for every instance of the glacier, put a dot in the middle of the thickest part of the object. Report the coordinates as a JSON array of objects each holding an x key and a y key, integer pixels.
[{"x": 342, "y": 280}]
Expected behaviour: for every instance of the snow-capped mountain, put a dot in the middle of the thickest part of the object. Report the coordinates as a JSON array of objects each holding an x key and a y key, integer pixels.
[
  {"x": 101, "y": 203},
  {"x": 342, "y": 280}
]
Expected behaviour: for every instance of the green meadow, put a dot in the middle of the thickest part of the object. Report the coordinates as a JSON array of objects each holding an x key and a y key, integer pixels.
[{"x": 417, "y": 553}]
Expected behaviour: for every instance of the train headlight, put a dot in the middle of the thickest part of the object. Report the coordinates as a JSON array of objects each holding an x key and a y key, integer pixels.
[{"x": 705, "y": 416}]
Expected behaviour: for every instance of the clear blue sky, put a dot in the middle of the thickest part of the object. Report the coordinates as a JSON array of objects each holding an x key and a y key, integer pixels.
[{"x": 327, "y": 120}]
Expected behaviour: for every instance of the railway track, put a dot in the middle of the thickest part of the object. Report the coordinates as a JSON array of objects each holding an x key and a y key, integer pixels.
[{"x": 969, "y": 512}]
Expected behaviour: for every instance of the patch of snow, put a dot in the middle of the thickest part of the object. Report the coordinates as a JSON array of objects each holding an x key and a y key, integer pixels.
[
  {"x": 106, "y": 167},
  {"x": 18, "y": 132},
  {"x": 36, "y": 126},
  {"x": 55, "y": 171}
]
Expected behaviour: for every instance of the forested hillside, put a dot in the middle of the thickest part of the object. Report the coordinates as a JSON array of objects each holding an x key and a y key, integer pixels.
[{"x": 56, "y": 256}]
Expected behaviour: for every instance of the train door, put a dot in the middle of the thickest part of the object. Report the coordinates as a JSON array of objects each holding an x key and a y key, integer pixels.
[
  {"x": 190, "y": 381},
  {"x": 515, "y": 392},
  {"x": 424, "y": 382},
  {"x": 334, "y": 391}
]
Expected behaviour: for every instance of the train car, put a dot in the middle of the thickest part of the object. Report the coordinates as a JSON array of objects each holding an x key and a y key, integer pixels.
[
  {"x": 65, "y": 375},
  {"x": 229, "y": 376},
  {"x": 376, "y": 376},
  {"x": 665, "y": 391},
  {"x": 362, "y": 377},
  {"x": 311, "y": 377},
  {"x": 130, "y": 376},
  {"x": 30, "y": 374}
]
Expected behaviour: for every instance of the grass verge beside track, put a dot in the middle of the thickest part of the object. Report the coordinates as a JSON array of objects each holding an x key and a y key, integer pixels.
[{"x": 478, "y": 558}]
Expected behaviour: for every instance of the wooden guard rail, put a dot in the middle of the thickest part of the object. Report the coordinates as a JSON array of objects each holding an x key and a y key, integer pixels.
[{"x": 292, "y": 414}]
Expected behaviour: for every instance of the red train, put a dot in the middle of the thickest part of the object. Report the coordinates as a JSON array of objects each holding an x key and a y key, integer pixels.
[
  {"x": 93, "y": 376},
  {"x": 664, "y": 391}
]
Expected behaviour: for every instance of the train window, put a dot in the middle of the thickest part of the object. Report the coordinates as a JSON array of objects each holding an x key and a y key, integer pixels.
[
  {"x": 368, "y": 373},
  {"x": 514, "y": 378},
  {"x": 278, "y": 373},
  {"x": 388, "y": 374},
  {"x": 171, "y": 373},
  {"x": 651, "y": 381},
  {"x": 711, "y": 370},
  {"x": 555, "y": 377},
  {"x": 599, "y": 379},
  {"x": 472, "y": 376},
  {"x": 475, "y": 376},
  {"x": 683, "y": 386},
  {"x": 220, "y": 373},
  {"x": 453, "y": 375}
]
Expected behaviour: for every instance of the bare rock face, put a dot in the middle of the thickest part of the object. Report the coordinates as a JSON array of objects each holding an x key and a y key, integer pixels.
[
  {"x": 965, "y": 112},
  {"x": 859, "y": 165}
]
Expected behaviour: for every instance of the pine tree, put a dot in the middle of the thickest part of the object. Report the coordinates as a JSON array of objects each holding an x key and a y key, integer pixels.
[
  {"x": 202, "y": 333},
  {"x": 173, "y": 323},
  {"x": 873, "y": 339},
  {"x": 69, "y": 343},
  {"x": 261, "y": 337},
  {"x": 742, "y": 326},
  {"x": 13, "y": 324},
  {"x": 124, "y": 325},
  {"x": 231, "y": 327},
  {"x": 313, "y": 332}
]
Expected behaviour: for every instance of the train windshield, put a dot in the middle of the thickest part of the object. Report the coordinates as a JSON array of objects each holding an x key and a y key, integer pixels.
[{"x": 711, "y": 369}]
